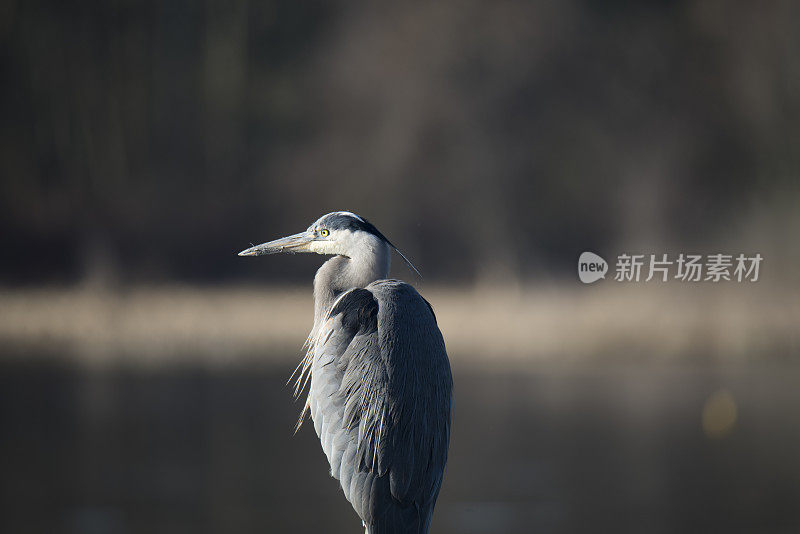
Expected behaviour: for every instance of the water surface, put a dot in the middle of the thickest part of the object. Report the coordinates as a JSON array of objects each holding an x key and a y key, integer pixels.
[{"x": 618, "y": 448}]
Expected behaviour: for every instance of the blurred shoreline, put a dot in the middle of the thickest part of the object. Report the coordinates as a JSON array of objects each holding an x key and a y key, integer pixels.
[{"x": 510, "y": 327}]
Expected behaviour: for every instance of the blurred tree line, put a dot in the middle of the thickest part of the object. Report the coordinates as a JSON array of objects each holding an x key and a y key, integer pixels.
[{"x": 150, "y": 141}]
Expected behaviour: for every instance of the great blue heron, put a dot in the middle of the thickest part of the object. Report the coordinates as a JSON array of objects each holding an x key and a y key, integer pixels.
[{"x": 381, "y": 386}]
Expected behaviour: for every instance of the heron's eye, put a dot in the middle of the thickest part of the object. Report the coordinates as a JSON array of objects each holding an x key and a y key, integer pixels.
[{"x": 324, "y": 232}]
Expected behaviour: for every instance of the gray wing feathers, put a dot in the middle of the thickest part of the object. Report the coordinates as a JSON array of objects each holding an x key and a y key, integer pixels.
[{"x": 380, "y": 400}]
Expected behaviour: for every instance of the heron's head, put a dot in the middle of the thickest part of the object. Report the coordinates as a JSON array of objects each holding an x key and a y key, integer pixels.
[{"x": 339, "y": 233}]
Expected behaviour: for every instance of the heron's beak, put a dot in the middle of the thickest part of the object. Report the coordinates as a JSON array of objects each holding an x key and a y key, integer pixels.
[{"x": 291, "y": 244}]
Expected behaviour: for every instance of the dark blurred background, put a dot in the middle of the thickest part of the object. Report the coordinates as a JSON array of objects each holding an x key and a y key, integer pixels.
[
  {"x": 148, "y": 140},
  {"x": 144, "y": 143}
]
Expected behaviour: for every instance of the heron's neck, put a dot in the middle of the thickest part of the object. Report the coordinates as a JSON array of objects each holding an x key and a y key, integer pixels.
[{"x": 341, "y": 273}]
